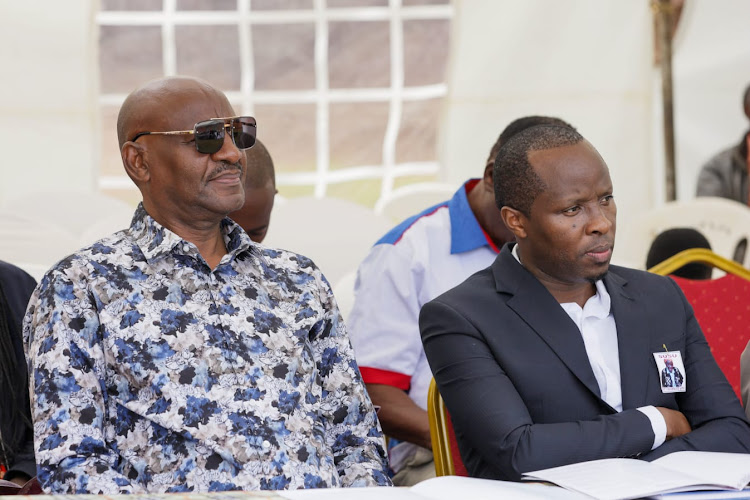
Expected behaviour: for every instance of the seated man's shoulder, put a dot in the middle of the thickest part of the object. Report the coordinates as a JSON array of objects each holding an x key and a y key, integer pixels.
[
  {"x": 424, "y": 226},
  {"x": 644, "y": 282},
  {"x": 720, "y": 159},
  {"x": 97, "y": 258},
  {"x": 278, "y": 263},
  {"x": 11, "y": 274},
  {"x": 472, "y": 289}
]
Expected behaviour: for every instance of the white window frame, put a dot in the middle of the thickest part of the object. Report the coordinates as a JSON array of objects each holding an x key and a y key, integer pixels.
[{"x": 322, "y": 96}]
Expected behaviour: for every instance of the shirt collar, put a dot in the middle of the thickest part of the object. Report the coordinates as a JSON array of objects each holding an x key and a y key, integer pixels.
[
  {"x": 466, "y": 233},
  {"x": 599, "y": 305},
  {"x": 156, "y": 241}
]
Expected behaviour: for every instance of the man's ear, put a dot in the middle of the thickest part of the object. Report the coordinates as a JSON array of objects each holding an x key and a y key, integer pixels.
[
  {"x": 133, "y": 157},
  {"x": 515, "y": 221},
  {"x": 488, "y": 177}
]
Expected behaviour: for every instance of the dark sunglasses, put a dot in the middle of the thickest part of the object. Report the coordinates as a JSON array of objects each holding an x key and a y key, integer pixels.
[{"x": 209, "y": 134}]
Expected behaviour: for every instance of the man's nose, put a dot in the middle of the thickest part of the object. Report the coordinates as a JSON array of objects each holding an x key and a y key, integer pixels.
[
  {"x": 229, "y": 152},
  {"x": 601, "y": 220}
]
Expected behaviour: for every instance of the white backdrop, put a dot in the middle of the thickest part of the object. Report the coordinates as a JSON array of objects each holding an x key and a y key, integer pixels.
[
  {"x": 48, "y": 104},
  {"x": 585, "y": 61}
]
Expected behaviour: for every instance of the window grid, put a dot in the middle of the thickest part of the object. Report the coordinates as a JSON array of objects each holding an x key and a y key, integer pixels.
[{"x": 322, "y": 96}]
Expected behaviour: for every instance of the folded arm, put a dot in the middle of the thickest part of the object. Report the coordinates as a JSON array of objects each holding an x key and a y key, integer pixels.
[{"x": 709, "y": 403}]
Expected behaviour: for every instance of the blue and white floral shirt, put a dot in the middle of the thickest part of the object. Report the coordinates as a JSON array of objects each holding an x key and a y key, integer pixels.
[{"x": 152, "y": 373}]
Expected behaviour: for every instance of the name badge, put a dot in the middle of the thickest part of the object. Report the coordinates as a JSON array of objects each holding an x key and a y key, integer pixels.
[{"x": 671, "y": 371}]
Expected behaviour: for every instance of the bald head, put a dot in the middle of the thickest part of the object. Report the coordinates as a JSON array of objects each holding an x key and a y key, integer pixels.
[{"x": 152, "y": 106}]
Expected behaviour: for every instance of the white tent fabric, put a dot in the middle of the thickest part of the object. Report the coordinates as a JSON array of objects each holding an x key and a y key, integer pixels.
[{"x": 585, "y": 61}]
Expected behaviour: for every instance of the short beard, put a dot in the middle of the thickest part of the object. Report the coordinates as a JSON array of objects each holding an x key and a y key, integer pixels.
[{"x": 597, "y": 277}]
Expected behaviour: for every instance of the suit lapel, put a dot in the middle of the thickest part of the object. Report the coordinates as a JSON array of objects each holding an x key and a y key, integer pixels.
[
  {"x": 632, "y": 341},
  {"x": 539, "y": 309}
]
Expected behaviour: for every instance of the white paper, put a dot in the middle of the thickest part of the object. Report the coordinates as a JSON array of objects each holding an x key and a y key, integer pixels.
[
  {"x": 624, "y": 478},
  {"x": 724, "y": 469}
]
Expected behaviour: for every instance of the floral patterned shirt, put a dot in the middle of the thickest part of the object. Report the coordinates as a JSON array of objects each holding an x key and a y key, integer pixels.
[{"x": 150, "y": 372}]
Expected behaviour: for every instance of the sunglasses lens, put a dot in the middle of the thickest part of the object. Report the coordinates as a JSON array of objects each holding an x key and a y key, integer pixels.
[
  {"x": 243, "y": 131},
  {"x": 209, "y": 136}
]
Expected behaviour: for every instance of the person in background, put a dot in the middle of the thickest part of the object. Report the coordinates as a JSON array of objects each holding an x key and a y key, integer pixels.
[
  {"x": 260, "y": 190},
  {"x": 673, "y": 241},
  {"x": 414, "y": 262},
  {"x": 17, "y": 462},
  {"x": 551, "y": 356},
  {"x": 725, "y": 174},
  {"x": 179, "y": 355}
]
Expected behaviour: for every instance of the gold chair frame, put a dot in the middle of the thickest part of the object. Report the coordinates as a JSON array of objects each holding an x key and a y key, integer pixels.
[
  {"x": 704, "y": 256},
  {"x": 439, "y": 434}
]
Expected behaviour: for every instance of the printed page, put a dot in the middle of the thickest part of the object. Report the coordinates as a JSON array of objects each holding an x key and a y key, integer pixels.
[
  {"x": 617, "y": 478},
  {"x": 705, "y": 495},
  {"x": 723, "y": 469},
  {"x": 370, "y": 493},
  {"x": 456, "y": 487}
]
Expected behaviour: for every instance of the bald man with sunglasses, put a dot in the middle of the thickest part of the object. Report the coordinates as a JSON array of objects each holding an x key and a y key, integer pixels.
[{"x": 178, "y": 355}]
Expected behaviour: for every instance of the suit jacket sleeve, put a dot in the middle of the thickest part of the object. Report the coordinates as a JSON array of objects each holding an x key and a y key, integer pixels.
[{"x": 498, "y": 436}]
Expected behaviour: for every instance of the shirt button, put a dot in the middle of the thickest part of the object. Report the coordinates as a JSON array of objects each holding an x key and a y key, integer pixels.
[{"x": 266, "y": 443}]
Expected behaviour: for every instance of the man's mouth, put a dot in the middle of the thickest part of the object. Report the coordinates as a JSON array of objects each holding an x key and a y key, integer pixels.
[
  {"x": 230, "y": 175},
  {"x": 601, "y": 254}
]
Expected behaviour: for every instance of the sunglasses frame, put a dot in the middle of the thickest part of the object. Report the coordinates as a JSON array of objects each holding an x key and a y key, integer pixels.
[{"x": 228, "y": 122}]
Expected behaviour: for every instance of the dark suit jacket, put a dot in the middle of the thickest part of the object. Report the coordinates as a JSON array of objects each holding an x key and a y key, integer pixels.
[{"x": 513, "y": 370}]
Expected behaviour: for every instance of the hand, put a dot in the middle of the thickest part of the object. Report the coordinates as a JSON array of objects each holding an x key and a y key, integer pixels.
[
  {"x": 677, "y": 424},
  {"x": 19, "y": 480}
]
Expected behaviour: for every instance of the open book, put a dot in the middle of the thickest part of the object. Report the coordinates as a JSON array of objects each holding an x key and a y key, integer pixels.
[
  {"x": 8, "y": 488},
  {"x": 442, "y": 488},
  {"x": 625, "y": 478}
]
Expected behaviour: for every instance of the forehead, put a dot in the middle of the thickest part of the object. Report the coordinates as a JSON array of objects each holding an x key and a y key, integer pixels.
[
  {"x": 570, "y": 169},
  {"x": 183, "y": 108}
]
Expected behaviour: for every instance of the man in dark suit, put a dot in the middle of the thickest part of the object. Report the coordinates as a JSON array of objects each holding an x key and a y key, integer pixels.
[{"x": 547, "y": 357}]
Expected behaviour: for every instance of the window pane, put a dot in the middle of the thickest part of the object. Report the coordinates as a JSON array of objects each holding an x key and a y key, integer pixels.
[
  {"x": 359, "y": 54},
  {"x": 284, "y": 56},
  {"x": 282, "y": 4},
  {"x": 356, "y": 3},
  {"x": 365, "y": 192},
  {"x": 129, "y": 196},
  {"x": 357, "y": 132},
  {"x": 413, "y": 179},
  {"x": 426, "y": 45},
  {"x": 209, "y": 52},
  {"x": 204, "y": 5},
  {"x": 288, "y": 132},
  {"x": 426, "y": 2},
  {"x": 111, "y": 163},
  {"x": 128, "y": 57},
  {"x": 132, "y": 4},
  {"x": 417, "y": 138},
  {"x": 295, "y": 192}
]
